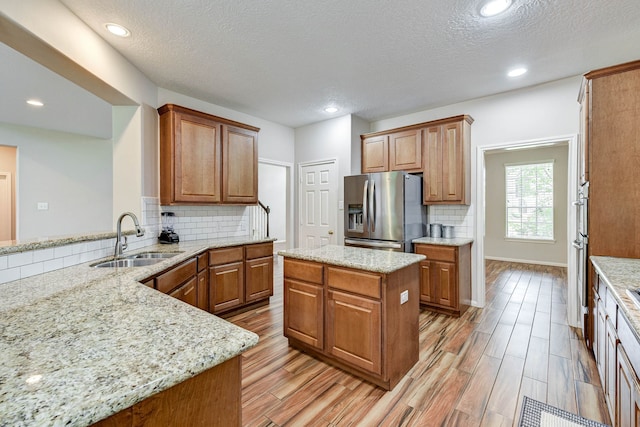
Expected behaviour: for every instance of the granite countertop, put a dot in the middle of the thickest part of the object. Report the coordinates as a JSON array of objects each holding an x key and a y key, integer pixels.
[
  {"x": 81, "y": 343},
  {"x": 353, "y": 257},
  {"x": 457, "y": 241},
  {"x": 621, "y": 274}
]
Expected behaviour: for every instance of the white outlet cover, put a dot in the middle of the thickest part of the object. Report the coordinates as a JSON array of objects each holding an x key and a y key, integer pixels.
[{"x": 404, "y": 297}]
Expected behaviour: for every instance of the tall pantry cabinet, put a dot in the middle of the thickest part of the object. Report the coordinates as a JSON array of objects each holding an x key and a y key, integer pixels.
[{"x": 610, "y": 162}]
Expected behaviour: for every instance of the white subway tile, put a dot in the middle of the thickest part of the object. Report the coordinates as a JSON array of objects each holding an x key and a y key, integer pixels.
[
  {"x": 3, "y": 262},
  {"x": 20, "y": 259},
  {"x": 31, "y": 269},
  {"x": 53, "y": 264},
  {"x": 9, "y": 274},
  {"x": 42, "y": 255}
]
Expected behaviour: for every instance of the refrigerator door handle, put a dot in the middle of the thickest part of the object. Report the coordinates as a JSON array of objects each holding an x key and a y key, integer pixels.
[
  {"x": 365, "y": 216},
  {"x": 372, "y": 206}
]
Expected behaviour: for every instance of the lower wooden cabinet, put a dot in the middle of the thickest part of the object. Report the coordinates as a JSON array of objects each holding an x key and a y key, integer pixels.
[
  {"x": 357, "y": 320},
  {"x": 354, "y": 332},
  {"x": 303, "y": 318},
  {"x": 617, "y": 354},
  {"x": 221, "y": 281},
  {"x": 226, "y": 286},
  {"x": 445, "y": 277},
  {"x": 212, "y": 398}
]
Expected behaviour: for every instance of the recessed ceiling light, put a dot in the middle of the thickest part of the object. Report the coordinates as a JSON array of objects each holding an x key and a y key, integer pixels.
[
  {"x": 517, "y": 72},
  {"x": 117, "y": 30},
  {"x": 494, "y": 7},
  {"x": 35, "y": 102},
  {"x": 331, "y": 109}
]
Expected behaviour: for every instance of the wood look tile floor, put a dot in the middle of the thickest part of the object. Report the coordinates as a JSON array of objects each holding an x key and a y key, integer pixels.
[{"x": 472, "y": 371}]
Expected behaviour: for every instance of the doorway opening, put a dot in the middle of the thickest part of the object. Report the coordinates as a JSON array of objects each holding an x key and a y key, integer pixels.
[
  {"x": 8, "y": 192},
  {"x": 275, "y": 191},
  {"x": 492, "y": 241}
]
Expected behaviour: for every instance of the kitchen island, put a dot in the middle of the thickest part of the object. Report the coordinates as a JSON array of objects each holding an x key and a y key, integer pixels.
[
  {"x": 354, "y": 308},
  {"x": 81, "y": 344}
]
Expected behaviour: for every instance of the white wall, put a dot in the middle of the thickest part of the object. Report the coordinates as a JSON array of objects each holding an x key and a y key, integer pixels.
[
  {"x": 72, "y": 173},
  {"x": 496, "y": 245},
  {"x": 330, "y": 139},
  {"x": 538, "y": 112},
  {"x": 273, "y": 180}
]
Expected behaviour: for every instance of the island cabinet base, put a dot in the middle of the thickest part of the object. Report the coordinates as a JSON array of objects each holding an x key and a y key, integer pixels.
[
  {"x": 211, "y": 398},
  {"x": 361, "y": 321}
]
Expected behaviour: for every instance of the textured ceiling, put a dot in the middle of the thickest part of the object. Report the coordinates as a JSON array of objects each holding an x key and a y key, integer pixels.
[{"x": 285, "y": 60}]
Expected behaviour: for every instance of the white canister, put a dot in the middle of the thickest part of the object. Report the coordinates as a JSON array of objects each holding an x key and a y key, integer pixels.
[{"x": 435, "y": 230}]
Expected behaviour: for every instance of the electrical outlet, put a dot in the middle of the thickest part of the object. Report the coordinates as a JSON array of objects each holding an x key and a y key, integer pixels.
[
  {"x": 43, "y": 206},
  {"x": 404, "y": 297}
]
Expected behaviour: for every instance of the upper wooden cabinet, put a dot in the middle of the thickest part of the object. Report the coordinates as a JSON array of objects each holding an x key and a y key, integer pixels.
[
  {"x": 375, "y": 154},
  {"x": 440, "y": 150},
  {"x": 206, "y": 159}
]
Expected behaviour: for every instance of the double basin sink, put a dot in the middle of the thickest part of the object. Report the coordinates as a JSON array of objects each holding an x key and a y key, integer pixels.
[{"x": 137, "y": 260}]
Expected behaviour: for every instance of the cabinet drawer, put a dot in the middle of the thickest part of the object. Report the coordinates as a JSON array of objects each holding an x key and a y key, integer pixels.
[
  {"x": 259, "y": 250},
  {"x": 175, "y": 277},
  {"x": 437, "y": 252},
  {"x": 203, "y": 261},
  {"x": 630, "y": 343},
  {"x": 226, "y": 255},
  {"x": 302, "y": 270},
  {"x": 354, "y": 281}
]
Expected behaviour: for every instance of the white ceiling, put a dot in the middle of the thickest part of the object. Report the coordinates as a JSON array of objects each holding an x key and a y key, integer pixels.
[{"x": 285, "y": 60}]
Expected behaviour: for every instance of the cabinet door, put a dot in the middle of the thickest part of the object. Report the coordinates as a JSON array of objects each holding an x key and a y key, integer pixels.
[
  {"x": 627, "y": 393},
  {"x": 197, "y": 160},
  {"x": 226, "y": 286},
  {"x": 187, "y": 292},
  {"x": 444, "y": 279},
  {"x": 432, "y": 175},
  {"x": 610, "y": 366},
  {"x": 303, "y": 312},
  {"x": 426, "y": 289},
  {"x": 600, "y": 340},
  {"x": 452, "y": 162},
  {"x": 405, "y": 150},
  {"x": 259, "y": 278},
  {"x": 375, "y": 154},
  {"x": 203, "y": 290},
  {"x": 240, "y": 165},
  {"x": 354, "y": 330}
]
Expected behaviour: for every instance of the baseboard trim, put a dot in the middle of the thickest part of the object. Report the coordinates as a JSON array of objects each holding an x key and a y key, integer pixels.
[{"x": 527, "y": 261}]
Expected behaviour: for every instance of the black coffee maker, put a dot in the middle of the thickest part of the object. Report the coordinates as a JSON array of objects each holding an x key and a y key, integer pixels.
[{"x": 168, "y": 235}]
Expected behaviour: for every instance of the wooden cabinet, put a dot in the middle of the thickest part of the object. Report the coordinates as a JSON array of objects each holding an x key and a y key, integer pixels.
[
  {"x": 628, "y": 392},
  {"x": 354, "y": 319},
  {"x": 354, "y": 330},
  {"x": 375, "y": 154},
  {"x": 240, "y": 277},
  {"x": 206, "y": 159},
  {"x": 226, "y": 278},
  {"x": 258, "y": 271},
  {"x": 212, "y": 398},
  {"x": 445, "y": 277},
  {"x": 203, "y": 281},
  {"x": 439, "y": 149},
  {"x": 405, "y": 150},
  {"x": 447, "y": 171},
  {"x": 187, "y": 292}
]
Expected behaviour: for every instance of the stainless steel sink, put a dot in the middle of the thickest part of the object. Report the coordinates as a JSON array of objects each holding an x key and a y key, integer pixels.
[
  {"x": 128, "y": 262},
  {"x": 153, "y": 255}
]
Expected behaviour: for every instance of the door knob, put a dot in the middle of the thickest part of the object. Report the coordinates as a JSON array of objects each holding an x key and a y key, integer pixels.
[{"x": 330, "y": 231}]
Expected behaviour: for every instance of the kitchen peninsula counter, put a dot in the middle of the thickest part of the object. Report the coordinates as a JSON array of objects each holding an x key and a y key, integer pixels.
[
  {"x": 355, "y": 308},
  {"x": 80, "y": 344}
]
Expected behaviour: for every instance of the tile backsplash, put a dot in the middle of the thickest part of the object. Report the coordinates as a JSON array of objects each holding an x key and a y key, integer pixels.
[
  {"x": 192, "y": 222},
  {"x": 460, "y": 216}
]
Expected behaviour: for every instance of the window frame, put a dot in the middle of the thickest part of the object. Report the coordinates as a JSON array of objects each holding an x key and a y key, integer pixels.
[{"x": 530, "y": 239}]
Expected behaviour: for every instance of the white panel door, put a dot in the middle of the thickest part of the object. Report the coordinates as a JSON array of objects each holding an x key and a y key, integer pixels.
[
  {"x": 318, "y": 206},
  {"x": 6, "y": 207}
]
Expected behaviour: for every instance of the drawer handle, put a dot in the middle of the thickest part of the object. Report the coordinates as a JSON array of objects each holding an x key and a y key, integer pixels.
[{"x": 188, "y": 291}]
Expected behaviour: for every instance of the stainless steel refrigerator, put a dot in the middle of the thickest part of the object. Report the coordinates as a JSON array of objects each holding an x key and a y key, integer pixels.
[{"x": 384, "y": 211}]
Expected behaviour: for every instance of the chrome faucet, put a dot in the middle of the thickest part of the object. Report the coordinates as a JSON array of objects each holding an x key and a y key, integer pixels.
[{"x": 122, "y": 246}]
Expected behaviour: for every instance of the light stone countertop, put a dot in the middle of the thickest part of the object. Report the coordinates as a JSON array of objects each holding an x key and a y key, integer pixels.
[
  {"x": 82, "y": 343},
  {"x": 353, "y": 257},
  {"x": 457, "y": 241},
  {"x": 621, "y": 274},
  {"x": 15, "y": 246}
]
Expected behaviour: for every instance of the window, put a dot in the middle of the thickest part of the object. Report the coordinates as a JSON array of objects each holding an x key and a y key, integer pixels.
[{"x": 529, "y": 200}]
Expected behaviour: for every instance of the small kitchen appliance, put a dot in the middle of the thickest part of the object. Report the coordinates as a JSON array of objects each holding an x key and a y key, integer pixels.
[{"x": 168, "y": 235}]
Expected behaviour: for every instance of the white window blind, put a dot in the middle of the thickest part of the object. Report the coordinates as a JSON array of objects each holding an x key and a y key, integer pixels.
[{"x": 529, "y": 190}]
